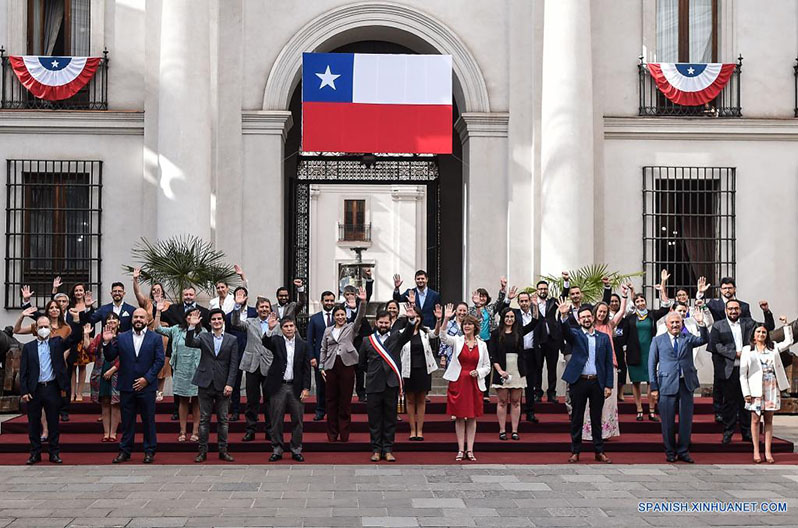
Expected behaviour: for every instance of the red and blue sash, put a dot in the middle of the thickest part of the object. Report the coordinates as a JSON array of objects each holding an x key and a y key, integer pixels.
[{"x": 386, "y": 356}]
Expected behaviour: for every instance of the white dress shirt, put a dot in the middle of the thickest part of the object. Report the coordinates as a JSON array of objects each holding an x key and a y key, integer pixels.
[
  {"x": 526, "y": 318},
  {"x": 289, "y": 359},
  {"x": 227, "y": 305},
  {"x": 737, "y": 332},
  {"x": 138, "y": 339}
]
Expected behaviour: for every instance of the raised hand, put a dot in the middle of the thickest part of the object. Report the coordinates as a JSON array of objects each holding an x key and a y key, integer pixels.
[
  {"x": 411, "y": 296},
  {"x": 26, "y": 293},
  {"x": 239, "y": 271},
  {"x": 438, "y": 311},
  {"x": 664, "y": 275},
  {"x": 410, "y": 310},
  {"x": 764, "y": 305},
  {"x": 361, "y": 294},
  {"x": 241, "y": 297},
  {"x": 563, "y": 307},
  {"x": 29, "y": 311},
  {"x": 87, "y": 328},
  {"x": 698, "y": 315},
  {"x": 88, "y": 298},
  {"x": 108, "y": 334},
  {"x": 75, "y": 314},
  {"x": 503, "y": 284},
  {"x": 449, "y": 311},
  {"x": 703, "y": 285},
  {"x": 605, "y": 281},
  {"x": 194, "y": 318},
  {"x": 136, "y": 273},
  {"x": 475, "y": 298},
  {"x": 512, "y": 293},
  {"x": 367, "y": 272},
  {"x": 783, "y": 319},
  {"x": 160, "y": 305},
  {"x": 298, "y": 283},
  {"x": 397, "y": 281},
  {"x": 272, "y": 320},
  {"x": 566, "y": 276},
  {"x": 624, "y": 290},
  {"x": 57, "y": 283}
]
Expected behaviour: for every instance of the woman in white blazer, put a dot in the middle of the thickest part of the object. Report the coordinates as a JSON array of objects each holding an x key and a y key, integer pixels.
[
  {"x": 418, "y": 364},
  {"x": 762, "y": 378},
  {"x": 465, "y": 372}
]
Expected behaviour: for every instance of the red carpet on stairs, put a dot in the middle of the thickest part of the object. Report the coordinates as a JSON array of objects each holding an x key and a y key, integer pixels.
[{"x": 547, "y": 442}]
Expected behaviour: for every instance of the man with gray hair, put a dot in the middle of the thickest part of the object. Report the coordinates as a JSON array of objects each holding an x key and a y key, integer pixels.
[{"x": 673, "y": 378}]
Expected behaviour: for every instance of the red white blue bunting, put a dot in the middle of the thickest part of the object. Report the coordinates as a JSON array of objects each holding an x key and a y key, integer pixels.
[
  {"x": 689, "y": 84},
  {"x": 54, "y": 78}
]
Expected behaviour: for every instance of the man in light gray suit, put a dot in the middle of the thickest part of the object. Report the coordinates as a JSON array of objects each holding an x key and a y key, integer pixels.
[
  {"x": 673, "y": 379},
  {"x": 215, "y": 377},
  {"x": 255, "y": 361}
]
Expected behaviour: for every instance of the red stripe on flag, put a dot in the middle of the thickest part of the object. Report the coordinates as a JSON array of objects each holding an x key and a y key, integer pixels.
[{"x": 354, "y": 127}]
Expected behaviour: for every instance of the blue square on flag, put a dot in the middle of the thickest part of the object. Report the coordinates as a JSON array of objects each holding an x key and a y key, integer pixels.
[{"x": 327, "y": 77}]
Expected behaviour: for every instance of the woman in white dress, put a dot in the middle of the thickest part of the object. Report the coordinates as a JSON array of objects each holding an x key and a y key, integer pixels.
[{"x": 762, "y": 379}]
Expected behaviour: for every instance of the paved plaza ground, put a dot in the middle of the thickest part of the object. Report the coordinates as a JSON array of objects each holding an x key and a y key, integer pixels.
[{"x": 499, "y": 496}]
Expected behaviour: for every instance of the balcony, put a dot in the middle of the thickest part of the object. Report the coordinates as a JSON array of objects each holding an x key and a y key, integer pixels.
[
  {"x": 93, "y": 96},
  {"x": 354, "y": 235},
  {"x": 653, "y": 103}
]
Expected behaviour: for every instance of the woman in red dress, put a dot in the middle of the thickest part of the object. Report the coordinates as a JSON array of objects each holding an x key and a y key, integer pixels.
[{"x": 466, "y": 376}]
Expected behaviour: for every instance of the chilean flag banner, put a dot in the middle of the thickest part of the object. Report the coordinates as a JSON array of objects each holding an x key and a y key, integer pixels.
[
  {"x": 353, "y": 102},
  {"x": 54, "y": 78},
  {"x": 691, "y": 84}
]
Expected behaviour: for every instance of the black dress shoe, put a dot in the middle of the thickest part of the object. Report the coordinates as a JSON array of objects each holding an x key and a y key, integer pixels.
[
  {"x": 298, "y": 457},
  {"x": 748, "y": 438},
  {"x": 727, "y": 438},
  {"x": 275, "y": 457},
  {"x": 551, "y": 397},
  {"x": 64, "y": 417},
  {"x": 33, "y": 459},
  {"x": 148, "y": 458},
  {"x": 121, "y": 457},
  {"x": 530, "y": 417},
  {"x": 55, "y": 459},
  {"x": 718, "y": 418},
  {"x": 235, "y": 417},
  {"x": 175, "y": 417},
  {"x": 249, "y": 436},
  {"x": 538, "y": 398},
  {"x": 362, "y": 398},
  {"x": 686, "y": 458},
  {"x": 670, "y": 459},
  {"x": 319, "y": 417},
  {"x": 224, "y": 455},
  {"x": 202, "y": 457}
]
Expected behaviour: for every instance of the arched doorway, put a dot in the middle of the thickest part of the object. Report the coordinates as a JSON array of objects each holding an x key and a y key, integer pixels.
[{"x": 441, "y": 177}]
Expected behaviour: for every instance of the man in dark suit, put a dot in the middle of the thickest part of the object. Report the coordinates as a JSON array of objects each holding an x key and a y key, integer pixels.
[
  {"x": 316, "y": 325},
  {"x": 589, "y": 377},
  {"x": 141, "y": 357},
  {"x": 245, "y": 312},
  {"x": 726, "y": 341},
  {"x": 548, "y": 342},
  {"x": 288, "y": 384},
  {"x": 524, "y": 315},
  {"x": 352, "y": 305},
  {"x": 425, "y": 298},
  {"x": 43, "y": 377},
  {"x": 380, "y": 360},
  {"x": 215, "y": 377},
  {"x": 284, "y": 308},
  {"x": 118, "y": 306},
  {"x": 674, "y": 378}
]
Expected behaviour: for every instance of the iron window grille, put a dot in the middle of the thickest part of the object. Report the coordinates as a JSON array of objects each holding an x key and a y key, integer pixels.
[
  {"x": 53, "y": 226},
  {"x": 795, "y": 75},
  {"x": 688, "y": 226},
  {"x": 653, "y": 103},
  {"x": 14, "y": 96}
]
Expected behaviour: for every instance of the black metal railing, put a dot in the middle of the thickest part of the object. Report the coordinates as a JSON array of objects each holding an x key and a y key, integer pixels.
[
  {"x": 354, "y": 232},
  {"x": 654, "y": 103},
  {"x": 795, "y": 74},
  {"x": 93, "y": 96}
]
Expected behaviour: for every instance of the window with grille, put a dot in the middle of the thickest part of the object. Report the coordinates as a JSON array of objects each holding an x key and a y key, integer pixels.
[
  {"x": 688, "y": 226},
  {"x": 53, "y": 226}
]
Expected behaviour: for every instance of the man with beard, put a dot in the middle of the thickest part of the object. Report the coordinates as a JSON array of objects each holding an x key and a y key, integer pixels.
[
  {"x": 524, "y": 315},
  {"x": 380, "y": 359},
  {"x": 726, "y": 341},
  {"x": 589, "y": 377},
  {"x": 316, "y": 325},
  {"x": 548, "y": 341},
  {"x": 118, "y": 306},
  {"x": 286, "y": 309},
  {"x": 141, "y": 357}
]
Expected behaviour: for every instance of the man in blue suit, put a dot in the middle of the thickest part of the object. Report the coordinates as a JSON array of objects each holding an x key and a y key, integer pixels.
[
  {"x": 141, "y": 357},
  {"x": 674, "y": 378},
  {"x": 118, "y": 306},
  {"x": 43, "y": 377},
  {"x": 425, "y": 297},
  {"x": 317, "y": 324},
  {"x": 589, "y": 377}
]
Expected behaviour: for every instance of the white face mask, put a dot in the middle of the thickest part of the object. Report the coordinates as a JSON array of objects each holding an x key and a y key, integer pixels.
[{"x": 44, "y": 333}]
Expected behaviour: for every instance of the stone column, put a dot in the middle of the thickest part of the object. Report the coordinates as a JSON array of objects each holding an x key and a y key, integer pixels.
[
  {"x": 567, "y": 201},
  {"x": 484, "y": 137},
  {"x": 184, "y": 120}
]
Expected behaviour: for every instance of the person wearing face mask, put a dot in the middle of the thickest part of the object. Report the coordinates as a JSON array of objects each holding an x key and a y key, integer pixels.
[
  {"x": 317, "y": 324},
  {"x": 589, "y": 375},
  {"x": 380, "y": 359},
  {"x": 43, "y": 379},
  {"x": 141, "y": 357},
  {"x": 726, "y": 341},
  {"x": 762, "y": 379},
  {"x": 337, "y": 360},
  {"x": 255, "y": 361}
]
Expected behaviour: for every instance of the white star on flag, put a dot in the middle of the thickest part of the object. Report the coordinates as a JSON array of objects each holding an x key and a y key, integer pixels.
[
  {"x": 327, "y": 78},
  {"x": 690, "y": 71},
  {"x": 55, "y": 64}
]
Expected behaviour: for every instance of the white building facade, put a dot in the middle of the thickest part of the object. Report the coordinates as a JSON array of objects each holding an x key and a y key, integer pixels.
[{"x": 554, "y": 165}]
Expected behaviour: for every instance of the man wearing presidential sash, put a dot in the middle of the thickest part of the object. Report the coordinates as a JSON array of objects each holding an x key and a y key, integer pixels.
[{"x": 379, "y": 358}]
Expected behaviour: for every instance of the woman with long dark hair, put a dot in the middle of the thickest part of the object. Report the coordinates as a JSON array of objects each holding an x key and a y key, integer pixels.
[
  {"x": 762, "y": 378},
  {"x": 506, "y": 349},
  {"x": 103, "y": 382},
  {"x": 418, "y": 364}
]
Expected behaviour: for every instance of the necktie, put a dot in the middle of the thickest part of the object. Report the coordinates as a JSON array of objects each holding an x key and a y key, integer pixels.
[
  {"x": 676, "y": 347},
  {"x": 329, "y": 319}
]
